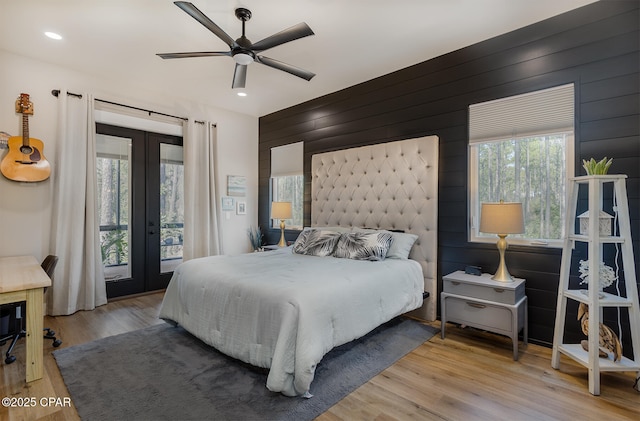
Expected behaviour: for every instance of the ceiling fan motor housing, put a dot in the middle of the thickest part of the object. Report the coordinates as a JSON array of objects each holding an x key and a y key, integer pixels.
[{"x": 243, "y": 54}]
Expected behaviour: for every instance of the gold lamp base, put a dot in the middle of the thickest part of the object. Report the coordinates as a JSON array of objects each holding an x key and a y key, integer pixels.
[
  {"x": 282, "y": 242},
  {"x": 502, "y": 274}
]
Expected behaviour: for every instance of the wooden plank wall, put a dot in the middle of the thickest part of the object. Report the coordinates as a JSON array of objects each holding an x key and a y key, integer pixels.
[{"x": 596, "y": 47}]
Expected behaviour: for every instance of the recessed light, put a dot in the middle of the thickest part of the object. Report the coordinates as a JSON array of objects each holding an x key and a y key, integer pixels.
[
  {"x": 242, "y": 94},
  {"x": 53, "y": 35}
]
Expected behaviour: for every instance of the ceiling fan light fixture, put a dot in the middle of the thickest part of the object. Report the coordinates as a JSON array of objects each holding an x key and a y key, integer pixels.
[{"x": 243, "y": 58}]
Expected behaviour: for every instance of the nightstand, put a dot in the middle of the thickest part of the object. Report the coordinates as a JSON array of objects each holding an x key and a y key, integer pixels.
[{"x": 479, "y": 301}]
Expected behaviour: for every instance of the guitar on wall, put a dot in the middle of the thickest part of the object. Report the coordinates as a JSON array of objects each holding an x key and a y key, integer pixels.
[{"x": 25, "y": 160}]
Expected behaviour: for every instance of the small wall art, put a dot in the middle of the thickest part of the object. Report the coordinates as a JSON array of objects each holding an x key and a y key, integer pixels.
[
  {"x": 228, "y": 203},
  {"x": 236, "y": 185},
  {"x": 241, "y": 208}
]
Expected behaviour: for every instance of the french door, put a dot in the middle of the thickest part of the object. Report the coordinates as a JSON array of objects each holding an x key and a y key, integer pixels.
[{"x": 141, "y": 207}]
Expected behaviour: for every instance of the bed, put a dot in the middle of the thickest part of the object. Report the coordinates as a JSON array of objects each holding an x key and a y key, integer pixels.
[{"x": 285, "y": 309}]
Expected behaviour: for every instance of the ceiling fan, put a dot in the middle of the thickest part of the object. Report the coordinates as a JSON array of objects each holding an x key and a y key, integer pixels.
[{"x": 243, "y": 51}]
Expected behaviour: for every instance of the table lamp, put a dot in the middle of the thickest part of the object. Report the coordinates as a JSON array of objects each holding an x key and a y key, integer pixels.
[
  {"x": 281, "y": 211},
  {"x": 502, "y": 219}
]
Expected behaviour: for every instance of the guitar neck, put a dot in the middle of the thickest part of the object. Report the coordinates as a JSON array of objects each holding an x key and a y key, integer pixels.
[{"x": 25, "y": 130}]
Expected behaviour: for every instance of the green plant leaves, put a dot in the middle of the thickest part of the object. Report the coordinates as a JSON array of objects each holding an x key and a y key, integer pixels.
[{"x": 597, "y": 168}]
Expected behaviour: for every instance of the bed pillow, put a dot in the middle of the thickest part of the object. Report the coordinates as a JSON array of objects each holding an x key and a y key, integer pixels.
[
  {"x": 315, "y": 242},
  {"x": 401, "y": 243},
  {"x": 363, "y": 245}
]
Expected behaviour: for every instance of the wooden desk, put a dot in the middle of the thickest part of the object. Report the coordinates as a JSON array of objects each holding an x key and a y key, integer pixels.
[{"x": 23, "y": 279}]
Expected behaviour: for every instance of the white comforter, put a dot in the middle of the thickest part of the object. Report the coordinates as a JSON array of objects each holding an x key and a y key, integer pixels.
[{"x": 285, "y": 311}]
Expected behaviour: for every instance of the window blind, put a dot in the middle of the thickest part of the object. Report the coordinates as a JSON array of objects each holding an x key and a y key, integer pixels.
[
  {"x": 135, "y": 119},
  {"x": 287, "y": 160},
  {"x": 540, "y": 112}
]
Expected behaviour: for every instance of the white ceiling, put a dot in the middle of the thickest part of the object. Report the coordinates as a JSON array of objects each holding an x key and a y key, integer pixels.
[{"x": 354, "y": 41}]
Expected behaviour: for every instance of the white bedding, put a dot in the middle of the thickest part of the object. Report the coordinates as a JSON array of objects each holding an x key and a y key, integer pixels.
[{"x": 285, "y": 311}]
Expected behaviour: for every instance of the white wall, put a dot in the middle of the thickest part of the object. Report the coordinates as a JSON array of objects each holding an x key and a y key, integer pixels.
[{"x": 25, "y": 208}]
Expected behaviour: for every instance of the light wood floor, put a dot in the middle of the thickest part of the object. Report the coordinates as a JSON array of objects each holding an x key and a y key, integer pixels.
[{"x": 468, "y": 376}]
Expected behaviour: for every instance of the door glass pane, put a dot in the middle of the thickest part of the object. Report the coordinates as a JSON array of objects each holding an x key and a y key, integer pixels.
[
  {"x": 171, "y": 206},
  {"x": 113, "y": 171}
]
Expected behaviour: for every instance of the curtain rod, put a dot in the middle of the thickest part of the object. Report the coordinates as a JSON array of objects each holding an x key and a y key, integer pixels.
[{"x": 56, "y": 92}]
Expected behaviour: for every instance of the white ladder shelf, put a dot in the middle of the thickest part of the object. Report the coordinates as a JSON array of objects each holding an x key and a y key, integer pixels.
[{"x": 595, "y": 243}]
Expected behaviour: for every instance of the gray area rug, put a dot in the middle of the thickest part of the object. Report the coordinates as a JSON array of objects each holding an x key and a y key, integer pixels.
[{"x": 164, "y": 373}]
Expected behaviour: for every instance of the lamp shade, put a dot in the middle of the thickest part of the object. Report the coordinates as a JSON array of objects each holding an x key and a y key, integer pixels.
[
  {"x": 501, "y": 218},
  {"x": 280, "y": 210}
]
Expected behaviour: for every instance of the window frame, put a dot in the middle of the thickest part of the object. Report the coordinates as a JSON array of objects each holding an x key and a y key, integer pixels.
[
  {"x": 509, "y": 130},
  {"x": 287, "y": 161},
  {"x": 289, "y": 223}
]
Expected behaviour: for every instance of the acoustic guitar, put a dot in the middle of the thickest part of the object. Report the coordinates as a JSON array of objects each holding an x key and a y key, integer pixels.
[{"x": 25, "y": 160}]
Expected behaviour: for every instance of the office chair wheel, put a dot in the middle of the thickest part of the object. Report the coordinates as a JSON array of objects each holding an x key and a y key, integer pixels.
[
  {"x": 57, "y": 343},
  {"x": 50, "y": 333},
  {"x": 10, "y": 359}
]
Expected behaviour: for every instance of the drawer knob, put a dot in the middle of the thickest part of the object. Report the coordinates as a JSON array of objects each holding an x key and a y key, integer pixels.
[
  {"x": 476, "y": 305},
  {"x": 498, "y": 289}
]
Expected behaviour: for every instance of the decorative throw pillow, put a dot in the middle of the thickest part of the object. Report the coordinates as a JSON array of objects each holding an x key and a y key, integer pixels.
[
  {"x": 314, "y": 242},
  {"x": 401, "y": 242},
  {"x": 363, "y": 246}
]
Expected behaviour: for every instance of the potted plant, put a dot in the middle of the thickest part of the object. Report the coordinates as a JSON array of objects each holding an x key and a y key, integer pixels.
[{"x": 597, "y": 168}]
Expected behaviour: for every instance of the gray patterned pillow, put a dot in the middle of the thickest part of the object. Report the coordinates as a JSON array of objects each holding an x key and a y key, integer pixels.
[
  {"x": 314, "y": 242},
  {"x": 363, "y": 246},
  {"x": 401, "y": 242}
]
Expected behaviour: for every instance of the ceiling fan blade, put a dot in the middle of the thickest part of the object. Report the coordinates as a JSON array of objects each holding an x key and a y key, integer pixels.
[
  {"x": 195, "y": 13},
  {"x": 300, "y": 30},
  {"x": 239, "y": 76},
  {"x": 195, "y": 54},
  {"x": 304, "y": 74}
]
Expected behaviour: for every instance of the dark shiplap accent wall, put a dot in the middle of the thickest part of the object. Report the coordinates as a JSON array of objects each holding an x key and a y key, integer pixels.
[{"x": 596, "y": 47}]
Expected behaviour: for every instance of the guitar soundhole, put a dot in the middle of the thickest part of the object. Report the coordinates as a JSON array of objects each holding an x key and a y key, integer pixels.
[{"x": 26, "y": 149}]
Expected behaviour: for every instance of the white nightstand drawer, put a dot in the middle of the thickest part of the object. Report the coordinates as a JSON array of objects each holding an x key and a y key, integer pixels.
[
  {"x": 483, "y": 287},
  {"x": 480, "y": 315},
  {"x": 483, "y": 303}
]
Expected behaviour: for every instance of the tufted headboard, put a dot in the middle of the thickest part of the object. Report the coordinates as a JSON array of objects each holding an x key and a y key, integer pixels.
[{"x": 386, "y": 186}]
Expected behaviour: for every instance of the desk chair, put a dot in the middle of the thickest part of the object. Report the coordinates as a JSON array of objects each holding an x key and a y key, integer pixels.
[{"x": 48, "y": 265}]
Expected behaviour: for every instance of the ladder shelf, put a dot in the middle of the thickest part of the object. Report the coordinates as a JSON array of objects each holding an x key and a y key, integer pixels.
[
  {"x": 597, "y": 300},
  {"x": 607, "y": 300}
]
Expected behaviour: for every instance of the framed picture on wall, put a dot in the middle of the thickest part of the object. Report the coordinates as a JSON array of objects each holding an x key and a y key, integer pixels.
[
  {"x": 241, "y": 208},
  {"x": 236, "y": 185},
  {"x": 228, "y": 203}
]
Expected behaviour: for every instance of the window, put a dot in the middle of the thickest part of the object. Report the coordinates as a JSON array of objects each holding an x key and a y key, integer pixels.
[
  {"x": 113, "y": 175},
  {"x": 521, "y": 150},
  {"x": 287, "y": 181},
  {"x": 289, "y": 189}
]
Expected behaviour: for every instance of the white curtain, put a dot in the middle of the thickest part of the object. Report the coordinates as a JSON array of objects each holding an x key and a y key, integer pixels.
[
  {"x": 201, "y": 236},
  {"x": 79, "y": 277}
]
